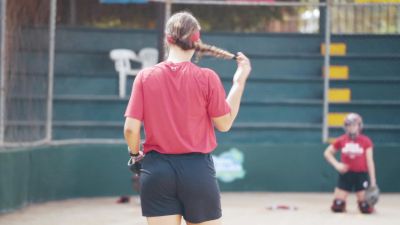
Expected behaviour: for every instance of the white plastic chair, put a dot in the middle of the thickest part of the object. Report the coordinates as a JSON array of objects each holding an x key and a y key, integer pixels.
[
  {"x": 122, "y": 58},
  {"x": 148, "y": 56}
]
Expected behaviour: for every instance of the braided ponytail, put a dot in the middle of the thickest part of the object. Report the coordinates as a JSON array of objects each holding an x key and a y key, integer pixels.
[{"x": 205, "y": 49}]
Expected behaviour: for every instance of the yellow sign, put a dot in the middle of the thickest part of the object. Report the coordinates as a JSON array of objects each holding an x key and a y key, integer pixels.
[{"x": 339, "y": 95}]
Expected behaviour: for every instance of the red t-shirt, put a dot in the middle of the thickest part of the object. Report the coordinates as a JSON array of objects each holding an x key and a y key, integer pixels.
[
  {"x": 176, "y": 101},
  {"x": 353, "y": 152}
]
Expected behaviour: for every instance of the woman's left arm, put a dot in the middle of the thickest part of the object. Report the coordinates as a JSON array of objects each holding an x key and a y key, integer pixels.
[
  {"x": 371, "y": 166},
  {"x": 132, "y": 134}
]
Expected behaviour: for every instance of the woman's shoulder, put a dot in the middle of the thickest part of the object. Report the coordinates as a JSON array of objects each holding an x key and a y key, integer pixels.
[
  {"x": 341, "y": 138},
  {"x": 209, "y": 75},
  {"x": 365, "y": 138},
  {"x": 208, "y": 71},
  {"x": 149, "y": 71}
]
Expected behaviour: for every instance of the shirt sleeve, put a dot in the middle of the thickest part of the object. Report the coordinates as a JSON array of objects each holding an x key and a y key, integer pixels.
[
  {"x": 368, "y": 143},
  {"x": 216, "y": 105},
  {"x": 135, "y": 106},
  {"x": 337, "y": 144}
]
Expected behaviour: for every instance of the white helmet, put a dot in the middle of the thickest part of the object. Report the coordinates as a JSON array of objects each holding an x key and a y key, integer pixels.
[{"x": 353, "y": 118}]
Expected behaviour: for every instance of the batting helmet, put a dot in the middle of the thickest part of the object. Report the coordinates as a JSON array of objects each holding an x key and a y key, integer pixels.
[{"x": 353, "y": 118}]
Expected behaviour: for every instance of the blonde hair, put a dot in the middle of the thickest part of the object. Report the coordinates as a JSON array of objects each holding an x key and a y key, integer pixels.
[{"x": 179, "y": 30}]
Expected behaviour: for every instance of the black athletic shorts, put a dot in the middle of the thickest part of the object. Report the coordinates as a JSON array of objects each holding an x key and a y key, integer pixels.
[
  {"x": 356, "y": 181},
  {"x": 183, "y": 184}
]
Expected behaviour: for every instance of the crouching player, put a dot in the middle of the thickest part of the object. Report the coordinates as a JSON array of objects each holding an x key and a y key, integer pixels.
[{"x": 356, "y": 167}]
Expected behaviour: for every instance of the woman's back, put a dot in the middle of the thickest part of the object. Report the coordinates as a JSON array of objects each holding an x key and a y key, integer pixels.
[{"x": 178, "y": 101}]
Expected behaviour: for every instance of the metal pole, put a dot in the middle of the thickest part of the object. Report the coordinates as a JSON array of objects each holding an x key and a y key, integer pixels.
[
  {"x": 168, "y": 4},
  {"x": 2, "y": 69},
  {"x": 72, "y": 10},
  {"x": 163, "y": 12},
  {"x": 398, "y": 19},
  {"x": 322, "y": 17},
  {"x": 167, "y": 15},
  {"x": 325, "y": 128},
  {"x": 52, "y": 34}
]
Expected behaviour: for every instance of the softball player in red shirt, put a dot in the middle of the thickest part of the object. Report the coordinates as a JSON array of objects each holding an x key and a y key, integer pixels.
[
  {"x": 180, "y": 104},
  {"x": 356, "y": 168}
]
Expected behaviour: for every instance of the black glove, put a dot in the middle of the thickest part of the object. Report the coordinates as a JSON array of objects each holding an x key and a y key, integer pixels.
[{"x": 134, "y": 163}]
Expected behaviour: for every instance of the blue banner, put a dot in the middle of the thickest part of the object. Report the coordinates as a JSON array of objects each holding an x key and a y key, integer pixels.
[{"x": 123, "y": 1}]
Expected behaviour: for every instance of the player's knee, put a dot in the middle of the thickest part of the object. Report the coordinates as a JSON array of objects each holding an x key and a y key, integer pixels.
[
  {"x": 365, "y": 207},
  {"x": 338, "y": 205}
]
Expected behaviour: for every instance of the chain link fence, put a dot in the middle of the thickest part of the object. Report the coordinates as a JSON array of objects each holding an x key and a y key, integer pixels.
[{"x": 25, "y": 69}]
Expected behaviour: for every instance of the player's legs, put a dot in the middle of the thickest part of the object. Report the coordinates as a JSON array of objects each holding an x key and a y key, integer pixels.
[
  {"x": 339, "y": 202},
  {"x": 363, "y": 206},
  {"x": 360, "y": 186},
  {"x": 342, "y": 190},
  {"x": 211, "y": 222},
  {"x": 360, "y": 196},
  {"x": 340, "y": 194},
  {"x": 165, "y": 220}
]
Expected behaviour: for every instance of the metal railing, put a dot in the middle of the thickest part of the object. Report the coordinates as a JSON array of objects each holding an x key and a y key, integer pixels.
[
  {"x": 366, "y": 18},
  {"x": 348, "y": 17}
]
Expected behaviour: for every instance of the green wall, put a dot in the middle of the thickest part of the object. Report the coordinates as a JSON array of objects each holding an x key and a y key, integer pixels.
[
  {"x": 50, "y": 173},
  {"x": 70, "y": 171}
]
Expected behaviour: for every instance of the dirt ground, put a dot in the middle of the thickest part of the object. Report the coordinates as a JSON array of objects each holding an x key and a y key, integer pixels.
[{"x": 238, "y": 209}]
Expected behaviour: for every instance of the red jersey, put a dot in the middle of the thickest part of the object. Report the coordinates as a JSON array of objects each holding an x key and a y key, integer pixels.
[
  {"x": 353, "y": 152},
  {"x": 176, "y": 102}
]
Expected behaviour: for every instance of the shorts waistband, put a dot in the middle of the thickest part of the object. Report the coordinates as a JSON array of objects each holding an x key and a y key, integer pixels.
[{"x": 184, "y": 155}]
